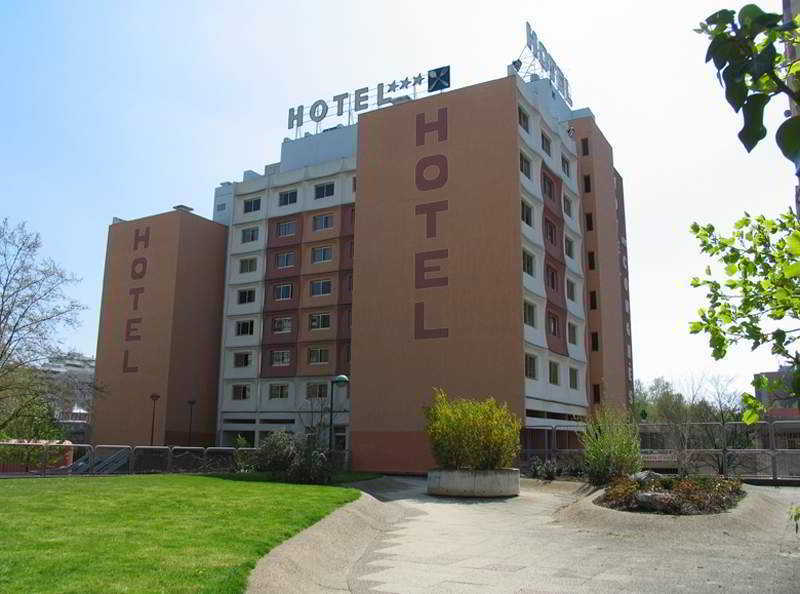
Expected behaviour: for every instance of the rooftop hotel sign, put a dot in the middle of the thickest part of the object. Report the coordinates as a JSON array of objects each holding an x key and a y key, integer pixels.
[
  {"x": 548, "y": 64},
  {"x": 365, "y": 98}
]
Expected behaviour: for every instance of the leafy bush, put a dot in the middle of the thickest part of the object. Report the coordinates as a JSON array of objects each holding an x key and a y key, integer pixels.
[
  {"x": 544, "y": 469},
  {"x": 276, "y": 452},
  {"x": 621, "y": 494},
  {"x": 310, "y": 465},
  {"x": 611, "y": 446},
  {"x": 472, "y": 434},
  {"x": 297, "y": 461}
]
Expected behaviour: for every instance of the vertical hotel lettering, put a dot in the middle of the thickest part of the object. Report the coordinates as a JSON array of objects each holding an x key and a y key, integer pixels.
[
  {"x": 430, "y": 173},
  {"x": 141, "y": 240}
]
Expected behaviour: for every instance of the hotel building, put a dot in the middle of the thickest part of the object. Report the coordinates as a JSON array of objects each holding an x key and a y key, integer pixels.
[{"x": 472, "y": 240}]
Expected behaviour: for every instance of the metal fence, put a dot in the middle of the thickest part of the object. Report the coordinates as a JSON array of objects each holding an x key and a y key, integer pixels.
[
  {"x": 766, "y": 450},
  {"x": 36, "y": 459}
]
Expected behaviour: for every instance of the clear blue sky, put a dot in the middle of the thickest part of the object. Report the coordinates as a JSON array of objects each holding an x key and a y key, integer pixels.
[{"x": 127, "y": 108}]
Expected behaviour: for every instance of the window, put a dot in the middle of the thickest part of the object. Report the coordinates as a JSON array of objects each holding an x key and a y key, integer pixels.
[
  {"x": 529, "y": 314},
  {"x": 565, "y": 165},
  {"x": 589, "y": 222},
  {"x": 283, "y": 292},
  {"x": 244, "y": 328},
  {"x": 550, "y": 231},
  {"x": 278, "y": 391},
  {"x": 321, "y": 254},
  {"x": 252, "y": 205},
  {"x": 527, "y": 214},
  {"x": 246, "y": 296},
  {"x": 323, "y": 190},
  {"x": 320, "y": 222},
  {"x": 587, "y": 183},
  {"x": 523, "y": 119},
  {"x": 570, "y": 290},
  {"x": 249, "y": 234},
  {"x": 288, "y": 197},
  {"x": 569, "y": 247},
  {"x": 527, "y": 263},
  {"x": 552, "y": 324},
  {"x": 247, "y": 265},
  {"x": 573, "y": 378},
  {"x": 567, "y": 206},
  {"x": 241, "y": 392},
  {"x": 285, "y": 259},
  {"x": 545, "y": 143},
  {"x": 319, "y": 321},
  {"x": 530, "y": 366},
  {"x": 525, "y": 165},
  {"x": 552, "y": 278},
  {"x": 548, "y": 190},
  {"x": 595, "y": 341},
  {"x": 241, "y": 359},
  {"x": 553, "y": 375},
  {"x": 317, "y": 355},
  {"x": 317, "y": 390},
  {"x": 572, "y": 333},
  {"x": 590, "y": 259},
  {"x": 221, "y": 206},
  {"x": 320, "y": 287},
  {"x": 592, "y": 299},
  {"x": 286, "y": 229},
  {"x": 280, "y": 358},
  {"x": 596, "y": 393},
  {"x": 340, "y": 437},
  {"x": 281, "y": 325},
  {"x": 584, "y": 146}
]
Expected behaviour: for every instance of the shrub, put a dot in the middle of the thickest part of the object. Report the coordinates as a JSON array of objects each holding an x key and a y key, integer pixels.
[
  {"x": 276, "y": 452},
  {"x": 621, "y": 494},
  {"x": 310, "y": 465},
  {"x": 544, "y": 469},
  {"x": 472, "y": 434},
  {"x": 610, "y": 446}
]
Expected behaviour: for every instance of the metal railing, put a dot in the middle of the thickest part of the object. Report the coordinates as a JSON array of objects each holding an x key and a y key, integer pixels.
[
  {"x": 765, "y": 450},
  {"x": 37, "y": 459}
]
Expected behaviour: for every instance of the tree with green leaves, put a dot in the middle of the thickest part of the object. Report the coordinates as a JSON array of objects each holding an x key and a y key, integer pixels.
[
  {"x": 758, "y": 302},
  {"x": 759, "y": 292},
  {"x": 753, "y": 71}
]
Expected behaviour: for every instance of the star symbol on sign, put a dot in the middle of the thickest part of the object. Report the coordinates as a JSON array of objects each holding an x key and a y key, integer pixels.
[
  {"x": 405, "y": 83},
  {"x": 418, "y": 79},
  {"x": 392, "y": 86}
]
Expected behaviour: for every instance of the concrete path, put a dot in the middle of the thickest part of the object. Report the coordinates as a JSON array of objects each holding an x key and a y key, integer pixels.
[{"x": 551, "y": 538}]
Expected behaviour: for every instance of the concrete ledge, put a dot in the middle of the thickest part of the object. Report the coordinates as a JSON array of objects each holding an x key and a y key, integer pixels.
[{"x": 503, "y": 482}]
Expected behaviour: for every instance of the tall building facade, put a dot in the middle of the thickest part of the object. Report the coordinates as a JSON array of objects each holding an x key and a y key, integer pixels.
[
  {"x": 158, "y": 341},
  {"x": 437, "y": 243}
]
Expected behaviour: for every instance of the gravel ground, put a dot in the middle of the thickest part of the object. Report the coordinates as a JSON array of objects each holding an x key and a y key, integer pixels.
[{"x": 551, "y": 538}]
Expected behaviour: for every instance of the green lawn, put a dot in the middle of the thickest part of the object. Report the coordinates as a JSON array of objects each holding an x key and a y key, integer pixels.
[{"x": 148, "y": 533}]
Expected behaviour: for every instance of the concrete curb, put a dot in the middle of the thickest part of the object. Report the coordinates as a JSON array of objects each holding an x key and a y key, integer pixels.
[{"x": 321, "y": 558}]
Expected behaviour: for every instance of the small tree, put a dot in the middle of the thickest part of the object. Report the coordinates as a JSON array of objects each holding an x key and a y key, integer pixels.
[
  {"x": 33, "y": 309},
  {"x": 472, "y": 434},
  {"x": 610, "y": 445}
]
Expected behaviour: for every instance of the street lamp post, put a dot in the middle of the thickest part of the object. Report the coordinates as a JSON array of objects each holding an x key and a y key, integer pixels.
[
  {"x": 339, "y": 380},
  {"x": 191, "y": 404},
  {"x": 154, "y": 398}
]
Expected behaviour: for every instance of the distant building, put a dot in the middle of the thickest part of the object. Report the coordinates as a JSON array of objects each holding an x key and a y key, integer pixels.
[
  {"x": 73, "y": 405},
  {"x": 781, "y": 404}
]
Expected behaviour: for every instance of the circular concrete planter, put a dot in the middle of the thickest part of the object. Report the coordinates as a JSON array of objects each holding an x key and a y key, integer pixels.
[{"x": 503, "y": 482}]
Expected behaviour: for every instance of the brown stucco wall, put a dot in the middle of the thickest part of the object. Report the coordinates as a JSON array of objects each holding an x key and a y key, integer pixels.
[
  {"x": 168, "y": 352},
  {"x": 394, "y": 369},
  {"x": 608, "y": 366}
]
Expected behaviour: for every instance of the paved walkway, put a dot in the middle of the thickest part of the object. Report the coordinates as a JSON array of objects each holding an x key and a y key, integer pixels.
[{"x": 551, "y": 538}]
